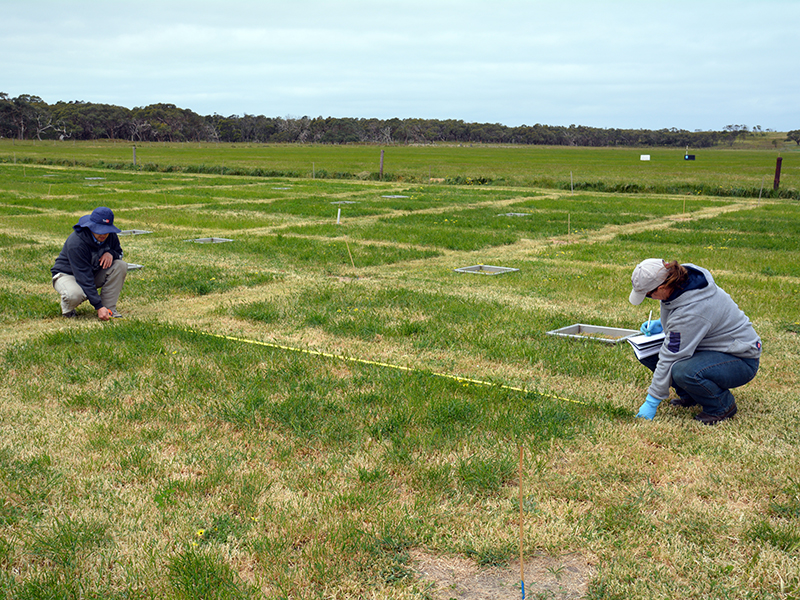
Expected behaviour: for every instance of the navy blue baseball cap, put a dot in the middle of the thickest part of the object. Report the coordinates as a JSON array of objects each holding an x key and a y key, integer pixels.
[{"x": 100, "y": 221}]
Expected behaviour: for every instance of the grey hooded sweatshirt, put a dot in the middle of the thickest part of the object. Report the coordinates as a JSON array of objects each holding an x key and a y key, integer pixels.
[{"x": 701, "y": 317}]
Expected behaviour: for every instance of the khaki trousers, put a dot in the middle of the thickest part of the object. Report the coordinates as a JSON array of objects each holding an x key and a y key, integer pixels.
[{"x": 110, "y": 280}]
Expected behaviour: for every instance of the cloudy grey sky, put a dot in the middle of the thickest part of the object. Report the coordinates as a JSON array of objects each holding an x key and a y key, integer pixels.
[{"x": 690, "y": 64}]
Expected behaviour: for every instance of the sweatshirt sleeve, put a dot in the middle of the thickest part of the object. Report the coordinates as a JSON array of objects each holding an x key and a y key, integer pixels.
[{"x": 683, "y": 333}]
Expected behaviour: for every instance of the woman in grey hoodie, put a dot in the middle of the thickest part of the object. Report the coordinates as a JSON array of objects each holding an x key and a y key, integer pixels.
[{"x": 709, "y": 347}]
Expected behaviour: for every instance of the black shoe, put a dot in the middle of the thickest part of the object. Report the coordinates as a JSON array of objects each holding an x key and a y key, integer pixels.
[
  {"x": 70, "y": 315},
  {"x": 714, "y": 419},
  {"x": 683, "y": 402}
]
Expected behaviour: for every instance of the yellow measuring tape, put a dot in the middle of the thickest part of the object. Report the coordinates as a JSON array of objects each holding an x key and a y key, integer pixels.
[{"x": 365, "y": 361}]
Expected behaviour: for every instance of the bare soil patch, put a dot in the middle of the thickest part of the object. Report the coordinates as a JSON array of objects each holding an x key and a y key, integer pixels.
[{"x": 564, "y": 577}]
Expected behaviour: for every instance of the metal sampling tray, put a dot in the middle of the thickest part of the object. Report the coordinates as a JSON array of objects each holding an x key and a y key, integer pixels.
[
  {"x": 608, "y": 335},
  {"x": 485, "y": 269},
  {"x": 210, "y": 240}
]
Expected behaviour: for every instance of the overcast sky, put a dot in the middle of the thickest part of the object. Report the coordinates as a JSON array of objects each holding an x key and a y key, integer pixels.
[{"x": 690, "y": 64}]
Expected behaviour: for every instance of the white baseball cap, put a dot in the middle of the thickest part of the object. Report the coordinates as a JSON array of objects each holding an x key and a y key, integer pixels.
[{"x": 647, "y": 276}]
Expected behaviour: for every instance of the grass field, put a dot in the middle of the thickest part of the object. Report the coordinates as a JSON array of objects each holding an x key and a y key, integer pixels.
[
  {"x": 329, "y": 410},
  {"x": 742, "y": 171}
]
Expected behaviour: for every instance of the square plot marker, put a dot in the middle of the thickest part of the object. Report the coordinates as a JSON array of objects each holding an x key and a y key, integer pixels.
[
  {"x": 485, "y": 270},
  {"x": 608, "y": 335},
  {"x": 210, "y": 240},
  {"x": 134, "y": 267},
  {"x": 134, "y": 232}
]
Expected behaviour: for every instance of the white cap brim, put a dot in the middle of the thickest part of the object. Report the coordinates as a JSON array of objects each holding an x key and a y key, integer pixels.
[{"x": 636, "y": 298}]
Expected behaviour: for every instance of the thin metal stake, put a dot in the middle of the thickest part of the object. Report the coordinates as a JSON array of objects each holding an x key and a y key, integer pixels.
[
  {"x": 350, "y": 253},
  {"x": 521, "y": 535}
]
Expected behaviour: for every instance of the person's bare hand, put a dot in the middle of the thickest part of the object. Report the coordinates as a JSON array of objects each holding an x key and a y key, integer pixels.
[
  {"x": 103, "y": 313},
  {"x": 106, "y": 260}
]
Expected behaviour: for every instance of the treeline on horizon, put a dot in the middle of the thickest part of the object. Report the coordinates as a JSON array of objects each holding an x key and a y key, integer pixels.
[{"x": 28, "y": 117}]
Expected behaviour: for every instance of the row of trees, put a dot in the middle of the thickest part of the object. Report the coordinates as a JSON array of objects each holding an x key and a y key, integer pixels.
[{"x": 29, "y": 117}]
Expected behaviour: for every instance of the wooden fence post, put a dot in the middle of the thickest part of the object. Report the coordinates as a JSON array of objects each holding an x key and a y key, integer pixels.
[{"x": 777, "y": 173}]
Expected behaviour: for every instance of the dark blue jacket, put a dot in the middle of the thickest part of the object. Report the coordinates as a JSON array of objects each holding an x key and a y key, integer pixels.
[{"x": 80, "y": 257}]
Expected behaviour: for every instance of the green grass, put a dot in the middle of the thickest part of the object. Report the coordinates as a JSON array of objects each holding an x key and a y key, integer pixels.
[
  {"x": 209, "y": 391},
  {"x": 300, "y": 412},
  {"x": 722, "y": 171}
]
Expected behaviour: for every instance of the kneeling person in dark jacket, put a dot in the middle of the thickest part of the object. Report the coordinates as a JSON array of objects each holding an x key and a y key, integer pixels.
[{"x": 90, "y": 259}]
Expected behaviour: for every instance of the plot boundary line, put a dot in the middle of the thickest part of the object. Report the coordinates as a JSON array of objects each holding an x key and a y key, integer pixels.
[{"x": 366, "y": 361}]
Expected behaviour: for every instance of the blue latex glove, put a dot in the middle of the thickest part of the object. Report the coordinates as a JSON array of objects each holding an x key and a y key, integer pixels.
[
  {"x": 655, "y": 327},
  {"x": 648, "y": 409}
]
